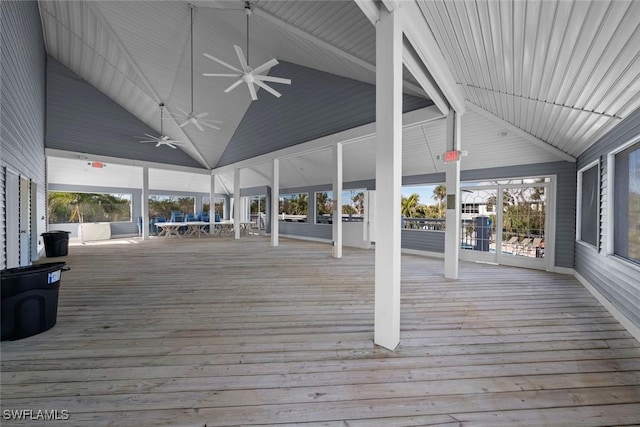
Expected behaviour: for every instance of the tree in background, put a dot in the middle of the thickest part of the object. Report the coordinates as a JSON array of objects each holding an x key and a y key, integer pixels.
[
  {"x": 409, "y": 205},
  {"x": 65, "y": 207},
  {"x": 440, "y": 194}
]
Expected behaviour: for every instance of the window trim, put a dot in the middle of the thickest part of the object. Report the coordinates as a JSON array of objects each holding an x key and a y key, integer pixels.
[
  {"x": 580, "y": 172},
  {"x": 610, "y": 217}
]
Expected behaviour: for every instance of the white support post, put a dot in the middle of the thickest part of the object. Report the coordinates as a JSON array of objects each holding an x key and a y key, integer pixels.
[
  {"x": 145, "y": 203},
  {"x": 388, "y": 178},
  {"x": 452, "y": 182},
  {"x": 237, "y": 206},
  {"x": 212, "y": 203},
  {"x": 337, "y": 202},
  {"x": 275, "y": 202}
]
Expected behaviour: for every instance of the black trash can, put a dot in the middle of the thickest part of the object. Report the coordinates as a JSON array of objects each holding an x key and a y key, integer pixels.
[
  {"x": 56, "y": 243},
  {"x": 29, "y": 299}
]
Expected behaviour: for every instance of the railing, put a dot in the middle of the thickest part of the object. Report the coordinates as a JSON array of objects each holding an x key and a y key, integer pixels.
[{"x": 431, "y": 224}]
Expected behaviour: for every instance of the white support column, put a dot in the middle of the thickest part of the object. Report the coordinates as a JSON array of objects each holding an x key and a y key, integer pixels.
[
  {"x": 275, "y": 202},
  {"x": 145, "y": 203},
  {"x": 337, "y": 202},
  {"x": 388, "y": 178},
  {"x": 237, "y": 206},
  {"x": 452, "y": 182},
  {"x": 212, "y": 202}
]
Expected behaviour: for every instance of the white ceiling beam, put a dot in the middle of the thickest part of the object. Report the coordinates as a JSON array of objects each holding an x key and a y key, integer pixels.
[
  {"x": 419, "y": 34},
  {"x": 53, "y": 152},
  {"x": 418, "y": 70},
  {"x": 409, "y": 120},
  {"x": 118, "y": 42},
  {"x": 323, "y": 44},
  {"x": 371, "y": 9},
  {"x": 519, "y": 132}
]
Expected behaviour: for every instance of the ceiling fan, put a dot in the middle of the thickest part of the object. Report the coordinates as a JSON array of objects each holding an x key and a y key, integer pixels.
[
  {"x": 197, "y": 119},
  {"x": 248, "y": 75},
  {"x": 162, "y": 139}
]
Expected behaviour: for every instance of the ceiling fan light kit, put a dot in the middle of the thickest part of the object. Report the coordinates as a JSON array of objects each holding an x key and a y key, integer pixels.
[{"x": 251, "y": 77}]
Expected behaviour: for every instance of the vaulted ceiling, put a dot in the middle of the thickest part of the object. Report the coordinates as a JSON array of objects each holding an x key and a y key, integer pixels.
[{"x": 559, "y": 73}]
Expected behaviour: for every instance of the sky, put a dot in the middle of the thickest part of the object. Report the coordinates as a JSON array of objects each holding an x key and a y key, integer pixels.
[{"x": 424, "y": 191}]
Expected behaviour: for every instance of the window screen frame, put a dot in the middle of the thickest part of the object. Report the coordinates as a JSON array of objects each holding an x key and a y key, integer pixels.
[{"x": 579, "y": 204}]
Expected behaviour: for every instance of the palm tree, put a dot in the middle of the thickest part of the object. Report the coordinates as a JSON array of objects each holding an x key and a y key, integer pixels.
[
  {"x": 439, "y": 194},
  {"x": 409, "y": 205}
]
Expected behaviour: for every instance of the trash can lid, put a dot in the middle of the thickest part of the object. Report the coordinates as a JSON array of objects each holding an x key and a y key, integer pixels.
[
  {"x": 31, "y": 269},
  {"x": 55, "y": 232}
]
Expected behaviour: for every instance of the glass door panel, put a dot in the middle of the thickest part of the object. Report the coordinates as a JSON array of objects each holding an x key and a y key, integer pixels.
[
  {"x": 478, "y": 224},
  {"x": 524, "y": 210}
]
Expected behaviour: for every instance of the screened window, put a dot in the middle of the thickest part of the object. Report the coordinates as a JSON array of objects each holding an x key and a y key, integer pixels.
[
  {"x": 294, "y": 207},
  {"x": 64, "y": 207},
  {"x": 626, "y": 239},
  {"x": 352, "y": 206},
  {"x": 164, "y": 206},
  {"x": 588, "y": 205},
  {"x": 219, "y": 208}
]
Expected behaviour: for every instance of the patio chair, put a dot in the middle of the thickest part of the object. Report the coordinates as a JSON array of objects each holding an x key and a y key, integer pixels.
[
  {"x": 510, "y": 243},
  {"x": 521, "y": 246},
  {"x": 535, "y": 245},
  {"x": 177, "y": 216}
]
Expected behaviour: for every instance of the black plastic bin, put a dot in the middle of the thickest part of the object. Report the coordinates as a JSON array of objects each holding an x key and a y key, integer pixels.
[
  {"x": 29, "y": 299},
  {"x": 56, "y": 243}
]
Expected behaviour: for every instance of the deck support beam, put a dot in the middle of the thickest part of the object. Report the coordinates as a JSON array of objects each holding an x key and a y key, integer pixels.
[
  {"x": 237, "y": 206},
  {"x": 452, "y": 182},
  {"x": 145, "y": 203},
  {"x": 336, "y": 227},
  {"x": 388, "y": 178},
  {"x": 275, "y": 202}
]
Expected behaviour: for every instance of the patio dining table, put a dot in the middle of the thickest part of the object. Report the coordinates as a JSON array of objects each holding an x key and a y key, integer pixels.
[{"x": 196, "y": 228}]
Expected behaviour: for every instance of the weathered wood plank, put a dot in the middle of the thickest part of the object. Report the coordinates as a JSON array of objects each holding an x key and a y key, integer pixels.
[{"x": 239, "y": 333}]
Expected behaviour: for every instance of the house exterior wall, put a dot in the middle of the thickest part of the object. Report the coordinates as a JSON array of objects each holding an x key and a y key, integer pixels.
[
  {"x": 615, "y": 279},
  {"x": 22, "y": 111}
]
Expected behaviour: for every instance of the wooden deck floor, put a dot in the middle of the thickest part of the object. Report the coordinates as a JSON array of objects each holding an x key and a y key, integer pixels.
[{"x": 216, "y": 332}]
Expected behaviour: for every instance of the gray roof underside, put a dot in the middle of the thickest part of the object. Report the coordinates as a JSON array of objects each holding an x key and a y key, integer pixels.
[
  {"x": 317, "y": 104},
  {"x": 82, "y": 119}
]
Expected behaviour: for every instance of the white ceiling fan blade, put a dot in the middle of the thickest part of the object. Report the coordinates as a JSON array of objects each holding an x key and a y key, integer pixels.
[
  {"x": 221, "y": 75},
  {"x": 201, "y": 115},
  {"x": 159, "y": 144},
  {"x": 233, "y": 86},
  {"x": 252, "y": 91},
  {"x": 241, "y": 58},
  {"x": 273, "y": 79},
  {"x": 209, "y": 125},
  {"x": 171, "y": 145},
  {"x": 268, "y": 89},
  {"x": 221, "y": 62},
  {"x": 197, "y": 124},
  {"x": 149, "y": 136},
  {"x": 265, "y": 66},
  {"x": 186, "y": 122}
]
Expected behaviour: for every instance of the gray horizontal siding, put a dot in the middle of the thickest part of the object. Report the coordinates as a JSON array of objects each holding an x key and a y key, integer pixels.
[
  {"x": 81, "y": 118},
  {"x": 617, "y": 280},
  {"x": 423, "y": 240},
  {"x": 22, "y": 106},
  {"x": 313, "y": 231},
  {"x": 316, "y": 104}
]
